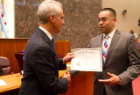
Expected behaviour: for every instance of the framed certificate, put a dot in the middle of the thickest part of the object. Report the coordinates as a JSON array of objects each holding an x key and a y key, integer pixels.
[{"x": 87, "y": 59}]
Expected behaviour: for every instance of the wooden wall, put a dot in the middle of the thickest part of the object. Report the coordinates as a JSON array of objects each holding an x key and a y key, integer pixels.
[
  {"x": 62, "y": 47},
  {"x": 8, "y": 48},
  {"x": 81, "y": 84}
]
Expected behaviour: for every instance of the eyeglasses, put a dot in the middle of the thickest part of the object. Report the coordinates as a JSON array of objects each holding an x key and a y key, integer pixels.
[{"x": 103, "y": 19}]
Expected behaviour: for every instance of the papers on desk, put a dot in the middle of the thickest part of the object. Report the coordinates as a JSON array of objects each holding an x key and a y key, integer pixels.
[
  {"x": 2, "y": 82},
  {"x": 87, "y": 59}
]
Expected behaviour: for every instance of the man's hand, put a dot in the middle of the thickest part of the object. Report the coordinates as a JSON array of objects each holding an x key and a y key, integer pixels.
[
  {"x": 67, "y": 75},
  {"x": 113, "y": 80},
  {"x": 68, "y": 58}
]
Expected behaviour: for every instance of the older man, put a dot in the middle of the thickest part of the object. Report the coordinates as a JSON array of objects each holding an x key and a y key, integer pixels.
[{"x": 40, "y": 61}]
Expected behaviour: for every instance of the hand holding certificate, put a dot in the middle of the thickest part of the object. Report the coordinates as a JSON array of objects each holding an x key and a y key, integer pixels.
[{"x": 87, "y": 59}]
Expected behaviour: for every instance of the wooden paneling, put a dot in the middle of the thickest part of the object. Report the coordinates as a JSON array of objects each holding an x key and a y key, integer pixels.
[
  {"x": 62, "y": 47},
  {"x": 81, "y": 84},
  {"x": 8, "y": 48}
]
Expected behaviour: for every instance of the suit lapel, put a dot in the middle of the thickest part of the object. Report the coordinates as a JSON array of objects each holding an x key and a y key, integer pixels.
[
  {"x": 100, "y": 39},
  {"x": 46, "y": 38},
  {"x": 112, "y": 44}
]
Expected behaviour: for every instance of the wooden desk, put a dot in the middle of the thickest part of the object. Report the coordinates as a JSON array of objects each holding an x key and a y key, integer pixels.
[
  {"x": 81, "y": 84},
  {"x": 14, "y": 81}
]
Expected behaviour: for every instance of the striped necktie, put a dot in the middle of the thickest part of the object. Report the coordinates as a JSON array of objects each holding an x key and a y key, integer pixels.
[
  {"x": 105, "y": 47},
  {"x": 53, "y": 42}
]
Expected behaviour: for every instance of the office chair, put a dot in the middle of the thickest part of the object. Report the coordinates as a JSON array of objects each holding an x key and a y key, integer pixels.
[
  {"x": 5, "y": 64},
  {"x": 19, "y": 57},
  {"x": 59, "y": 56}
]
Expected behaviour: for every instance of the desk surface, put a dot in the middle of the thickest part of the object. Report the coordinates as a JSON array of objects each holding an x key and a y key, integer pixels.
[{"x": 14, "y": 81}]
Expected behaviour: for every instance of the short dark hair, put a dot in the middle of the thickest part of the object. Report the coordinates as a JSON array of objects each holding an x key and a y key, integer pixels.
[{"x": 111, "y": 10}]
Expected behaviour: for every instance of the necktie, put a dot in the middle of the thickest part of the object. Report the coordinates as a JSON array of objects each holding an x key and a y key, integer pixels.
[
  {"x": 53, "y": 42},
  {"x": 105, "y": 47}
]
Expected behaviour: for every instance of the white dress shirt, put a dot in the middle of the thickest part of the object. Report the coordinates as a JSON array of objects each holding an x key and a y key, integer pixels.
[{"x": 46, "y": 32}]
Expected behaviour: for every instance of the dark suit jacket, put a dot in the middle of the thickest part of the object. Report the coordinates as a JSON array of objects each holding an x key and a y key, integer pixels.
[
  {"x": 41, "y": 67},
  {"x": 122, "y": 59}
]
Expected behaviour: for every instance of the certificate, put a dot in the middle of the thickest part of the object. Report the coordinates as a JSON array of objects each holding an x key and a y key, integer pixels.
[{"x": 87, "y": 59}]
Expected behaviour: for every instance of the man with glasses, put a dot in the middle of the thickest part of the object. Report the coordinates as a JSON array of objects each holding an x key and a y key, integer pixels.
[{"x": 121, "y": 60}]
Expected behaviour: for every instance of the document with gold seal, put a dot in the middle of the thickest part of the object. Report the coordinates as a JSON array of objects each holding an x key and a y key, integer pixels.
[{"x": 87, "y": 59}]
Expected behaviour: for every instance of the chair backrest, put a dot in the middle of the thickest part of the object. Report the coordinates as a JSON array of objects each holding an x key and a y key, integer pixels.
[
  {"x": 19, "y": 57},
  {"x": 59, "y": 56},
  {"x": 5, "y": 64},
  {"x": 22, "y": 51}
]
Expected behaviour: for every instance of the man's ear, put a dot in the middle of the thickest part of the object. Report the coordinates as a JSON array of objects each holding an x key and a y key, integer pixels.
[
  {"x": 52, "y": 18},
  {"x": 115, "y": 20}
]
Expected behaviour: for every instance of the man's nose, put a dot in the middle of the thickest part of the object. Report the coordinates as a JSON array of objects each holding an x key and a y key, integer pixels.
[
  {"x": 63, "y": 22},
  {"x": 100, "y": 22}
]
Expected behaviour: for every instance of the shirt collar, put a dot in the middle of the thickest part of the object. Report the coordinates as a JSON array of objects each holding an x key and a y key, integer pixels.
[
  {"x": 110, "y": 34},
  {"x": 46, "y": 32}
]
